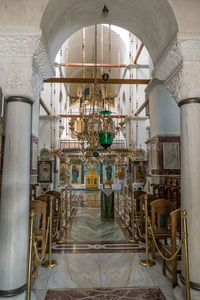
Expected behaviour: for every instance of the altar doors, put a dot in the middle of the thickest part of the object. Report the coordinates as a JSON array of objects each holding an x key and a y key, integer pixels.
[{"x": 92, "y": 179}]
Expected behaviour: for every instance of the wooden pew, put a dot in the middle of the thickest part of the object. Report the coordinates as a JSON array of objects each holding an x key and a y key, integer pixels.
[
  {"x": 39, "y": 229},
  {"x": 171, "y": 247},
  {"x": 160, "y": 210},
  {"x": 170, "y": 190},
  {"x": 46, "y": 198}
]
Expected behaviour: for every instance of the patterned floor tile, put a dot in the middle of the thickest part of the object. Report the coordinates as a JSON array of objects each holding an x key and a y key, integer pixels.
[{"x": 106, "y": 294}]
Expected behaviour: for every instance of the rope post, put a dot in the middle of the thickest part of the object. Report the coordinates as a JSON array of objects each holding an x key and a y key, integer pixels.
[
  {"x": 61, "y": 239},
  {"x": 50, "y": 263},
  {"x": 186, "y": 260},
  {"x": 64, "y": 220},
  {"x": 118, "y": 192},
  {"x": 67, "y": 226},
  {"x": 117, "y": 203},
  {"x": 70, "y": 209},
  {"x": 124, "y": 221},
  {"x": 70, "y": 198},
  {"x": 29, "y": 272},
  {"x": 146, "y": 262},
  {"x": 133, "y": 239}
]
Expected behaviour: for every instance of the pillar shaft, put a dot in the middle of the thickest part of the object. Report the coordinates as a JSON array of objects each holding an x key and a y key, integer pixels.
[
  {"x": 14, "y": 206},
  {"x": 190, "y": 173}
]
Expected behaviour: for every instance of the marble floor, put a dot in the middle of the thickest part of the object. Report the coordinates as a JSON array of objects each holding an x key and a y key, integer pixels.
[
  {"x": 100, "y": 270},
  {"x": 88, "y": 226},
  {"x": 88, "y": 270},
  {"x": 107, "y": 293}
]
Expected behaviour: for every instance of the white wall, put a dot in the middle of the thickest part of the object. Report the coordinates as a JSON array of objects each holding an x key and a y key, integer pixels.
[
  {"x": 164, "y": 112},
  {"x": 48, "y": 125}
]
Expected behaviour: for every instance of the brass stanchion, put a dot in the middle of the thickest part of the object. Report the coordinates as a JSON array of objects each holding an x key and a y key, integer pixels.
[
  {"x": 50, "y": 263},
  {"x": 70, "y": 202},
  {"x": 64, "y": 220},
  {"x": 61, "y": 239},
  {"x": 118, "y": 193},
  {"x": 124, "y": 224},
  {"x": 133, "y": 239},
  {"x": 146, "y": 262},
  {"x": 29, "y": 272},
  {"x": 185, "y": 237},
  {"x": 67, "y": 226},
  {"x": 117, "y": 204},
  {"x": 70, "y": 211}
]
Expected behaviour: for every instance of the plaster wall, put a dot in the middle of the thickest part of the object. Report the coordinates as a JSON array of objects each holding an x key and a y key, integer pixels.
[
  {"x": 74, "y": 53},
  {"x": 22, "y": 13},
  {"x": 164, "y": 112},
  {"x": 187, "y": 14},
  {"x": 142, "y": 135},
  {"x": 48, "y": 124},
  {"x": 139, "y": 17},
  {"x": 59, "y": 19},
  {"x": 136, "y": 132}
]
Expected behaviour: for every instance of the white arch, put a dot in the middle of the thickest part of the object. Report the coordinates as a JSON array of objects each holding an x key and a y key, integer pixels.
[{"x": 152, "y": 21}]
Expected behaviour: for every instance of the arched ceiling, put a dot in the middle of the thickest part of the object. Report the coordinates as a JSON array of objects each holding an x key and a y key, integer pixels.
[
  {"x": 152, "y": 21},
  {"x": 75, "y": 55}
]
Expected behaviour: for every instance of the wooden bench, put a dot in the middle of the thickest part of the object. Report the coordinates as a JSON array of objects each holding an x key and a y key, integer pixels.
[
  {"x": 172, "y": 245},
  {"x": 160, "y": 210},
  {"x": 39, "y": 229}
]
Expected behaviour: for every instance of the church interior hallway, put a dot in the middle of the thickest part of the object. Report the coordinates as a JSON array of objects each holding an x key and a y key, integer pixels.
[{"x": 98, "y": 255}]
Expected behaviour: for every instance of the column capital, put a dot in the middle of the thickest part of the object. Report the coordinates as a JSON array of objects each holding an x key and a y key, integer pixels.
[
  {"x": 179, "y": 67},
  {"x": 24, "y": 62}
]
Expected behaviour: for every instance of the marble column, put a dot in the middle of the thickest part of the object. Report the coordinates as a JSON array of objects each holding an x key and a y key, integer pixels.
[
  {"x": 179, "y": 69},
  {"x": 14, "y": 206},
  {"x": 24, "y": 65},
  {"x": 190, "y": 176}
]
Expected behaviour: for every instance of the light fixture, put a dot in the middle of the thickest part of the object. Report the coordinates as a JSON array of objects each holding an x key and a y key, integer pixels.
[
  {"x": 105, "y": 10},
  {"x": 96, "y": 127}
]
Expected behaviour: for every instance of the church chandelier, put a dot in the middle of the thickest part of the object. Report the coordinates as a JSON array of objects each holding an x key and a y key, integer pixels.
[{"x": 96, "y": 127}]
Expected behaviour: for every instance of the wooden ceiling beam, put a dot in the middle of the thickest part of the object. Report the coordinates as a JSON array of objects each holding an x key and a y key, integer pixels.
[
  {"x": 138, "y": 53},
  {"x": 92, "y": 65},
  {"x": 99, "y": 80},
  {"x": 45, "y": 107},
  {"x": 142, "y": 107}
]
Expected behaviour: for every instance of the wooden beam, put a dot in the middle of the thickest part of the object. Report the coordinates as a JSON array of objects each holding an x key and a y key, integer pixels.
[
  {"x": 142, "y": 107},
  {"x": 93, "y": 65},
  {"x": 138, "y": 54},
  {"x": 99, "y": 80},
  {"x": 45, "y": 107},
  {"x": 87, "y": 65},
  {"x": 90, "y": 116}
]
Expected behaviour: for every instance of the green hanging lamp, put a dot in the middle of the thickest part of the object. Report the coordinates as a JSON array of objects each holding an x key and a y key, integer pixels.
[{"x": 105, "y": 137}]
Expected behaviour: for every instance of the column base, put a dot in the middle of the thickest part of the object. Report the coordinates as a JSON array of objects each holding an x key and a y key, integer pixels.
[
  {"x": 179, "y": 292},
  {"x": 21, "y": 296}
]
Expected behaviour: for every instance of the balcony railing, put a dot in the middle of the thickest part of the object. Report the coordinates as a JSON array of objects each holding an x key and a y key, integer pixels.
[{"x": 74, "y": 144}]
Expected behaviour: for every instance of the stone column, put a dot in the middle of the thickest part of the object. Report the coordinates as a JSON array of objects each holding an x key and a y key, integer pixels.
[
  {"x": 190, "y": 196},
  {"x": 23, "y": 64},
  {"x": 179, "y": 69},
  {"x": 14, "y": 207}
]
